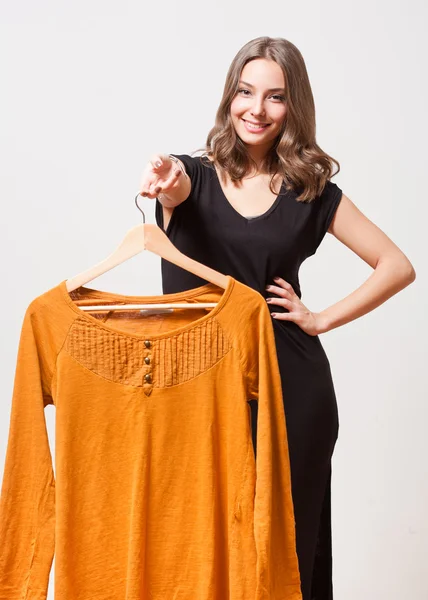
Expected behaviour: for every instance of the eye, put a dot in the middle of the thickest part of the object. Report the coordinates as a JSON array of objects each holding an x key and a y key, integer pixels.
[{"x": 280, "y": 98}]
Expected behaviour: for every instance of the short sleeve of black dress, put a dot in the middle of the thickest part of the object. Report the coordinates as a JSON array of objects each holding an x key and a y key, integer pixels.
[{"x": 324, "y": 208}]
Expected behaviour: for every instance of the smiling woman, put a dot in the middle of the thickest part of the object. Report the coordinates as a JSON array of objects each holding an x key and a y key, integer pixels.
[{"x": 261, "y": 160}]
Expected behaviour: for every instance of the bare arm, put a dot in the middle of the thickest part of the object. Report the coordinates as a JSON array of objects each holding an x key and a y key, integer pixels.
[
  {"x": 392, "y": 269},
  {"x": 392, "y": 272}
]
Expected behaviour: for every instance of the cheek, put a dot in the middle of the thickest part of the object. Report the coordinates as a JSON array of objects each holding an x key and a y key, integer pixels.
[
  {"x": 237, "y": 107},
  {"x": 279, "y": 114}
]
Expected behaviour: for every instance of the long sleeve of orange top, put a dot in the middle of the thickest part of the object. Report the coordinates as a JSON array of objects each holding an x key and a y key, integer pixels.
[
  {"x": 273, "y": 519},
  {"x": 27, "y": 503},
  {"x": 273, "y": 514}
]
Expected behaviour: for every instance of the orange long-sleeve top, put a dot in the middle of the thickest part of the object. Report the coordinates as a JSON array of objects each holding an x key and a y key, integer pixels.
[{"x": 157, "y": 492}]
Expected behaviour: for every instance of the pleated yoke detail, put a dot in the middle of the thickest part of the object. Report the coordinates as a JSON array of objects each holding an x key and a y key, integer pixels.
[{"x": 148, "y": 363}]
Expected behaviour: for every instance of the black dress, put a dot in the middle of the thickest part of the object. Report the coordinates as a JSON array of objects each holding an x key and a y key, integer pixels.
[{"x": 207, "y": 228}]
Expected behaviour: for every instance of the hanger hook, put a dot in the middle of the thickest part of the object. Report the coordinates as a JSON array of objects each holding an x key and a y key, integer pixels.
[{"x": 139, "y": 207}]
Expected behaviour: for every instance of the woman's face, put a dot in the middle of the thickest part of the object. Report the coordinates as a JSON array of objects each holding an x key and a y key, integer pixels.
[{"x": 260, "y": 100}]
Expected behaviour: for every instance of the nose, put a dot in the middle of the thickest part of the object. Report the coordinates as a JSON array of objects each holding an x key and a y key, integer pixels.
[{"x": 258, "y": 107}]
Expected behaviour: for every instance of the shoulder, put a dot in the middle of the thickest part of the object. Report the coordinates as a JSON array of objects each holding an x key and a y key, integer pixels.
[
  {"x": 245, "y": 306},
  {"x": 329, "y": 198},
  {"x": 193, "y": 163},
  {"x": 246, "y": 321},
  {"x": 45, "y": 326},
  {"x": 322, "y": 209},
  {"x": 50, "y": 316},
  {"x": 330, "y": 193}
]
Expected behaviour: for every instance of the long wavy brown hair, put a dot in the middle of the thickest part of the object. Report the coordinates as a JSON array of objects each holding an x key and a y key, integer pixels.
[{"x": 294, "y": 154}]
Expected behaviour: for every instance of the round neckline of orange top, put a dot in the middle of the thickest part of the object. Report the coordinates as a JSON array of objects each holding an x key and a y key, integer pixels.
[{"x": 176, "y": 296}]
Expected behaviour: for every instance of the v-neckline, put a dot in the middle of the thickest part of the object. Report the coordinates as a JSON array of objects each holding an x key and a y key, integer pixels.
[{"x": 250, "y": 220}]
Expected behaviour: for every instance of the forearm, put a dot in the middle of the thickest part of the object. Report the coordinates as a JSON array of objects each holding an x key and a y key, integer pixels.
[{"x": 390, "y": 276}]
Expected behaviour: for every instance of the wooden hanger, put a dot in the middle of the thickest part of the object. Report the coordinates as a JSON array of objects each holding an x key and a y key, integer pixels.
[{"x": 147, "y": 237}]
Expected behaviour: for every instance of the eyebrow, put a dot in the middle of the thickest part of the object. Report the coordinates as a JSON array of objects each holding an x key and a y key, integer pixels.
[{"x": 271, "y": 90}]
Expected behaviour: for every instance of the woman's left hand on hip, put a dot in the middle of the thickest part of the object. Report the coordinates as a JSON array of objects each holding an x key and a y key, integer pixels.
[{"x": 298, "y": 313}]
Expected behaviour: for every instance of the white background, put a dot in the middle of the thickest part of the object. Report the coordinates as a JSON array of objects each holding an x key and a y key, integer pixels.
[{"x": 89, "y": 90}]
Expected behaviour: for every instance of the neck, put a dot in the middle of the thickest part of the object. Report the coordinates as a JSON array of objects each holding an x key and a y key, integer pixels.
[{"x": 258, "y": 154}]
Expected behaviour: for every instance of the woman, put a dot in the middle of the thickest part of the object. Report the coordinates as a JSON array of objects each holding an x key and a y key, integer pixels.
[{"x": 255, "y": 206}]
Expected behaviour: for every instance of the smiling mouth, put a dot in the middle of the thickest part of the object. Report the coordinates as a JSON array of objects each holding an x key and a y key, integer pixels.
[{"x": 256, "y": 124}]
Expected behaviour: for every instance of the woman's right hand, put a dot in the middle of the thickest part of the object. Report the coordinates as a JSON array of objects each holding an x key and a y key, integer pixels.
[{"x": 159, "y": 179}]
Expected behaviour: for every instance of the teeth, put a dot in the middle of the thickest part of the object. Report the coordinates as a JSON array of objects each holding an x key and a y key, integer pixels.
[{"x": 255, "y": 126}]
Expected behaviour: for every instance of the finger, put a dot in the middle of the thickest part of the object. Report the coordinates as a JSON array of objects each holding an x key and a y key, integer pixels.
[
  {"x": 280, "y": 302},
  {"x": 171, "y": 179},
  {"x": 280, "y": 281},
  {"x": 147, "y": 179},
  {"x": 283, "y": 316},
  {"x": 149, "y": 195},
  {"x": 149, "y": 189},
  {"x": 155, "y": 186},
  {"x": 158, "y": 160},
  {"x": 274, "y": 289},
  {"x": 163, "y": 186},
  {"x": 145, "y": 189}
]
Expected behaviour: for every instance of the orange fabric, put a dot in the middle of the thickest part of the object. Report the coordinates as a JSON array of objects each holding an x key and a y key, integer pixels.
[{"x": 157, "y": 494}]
